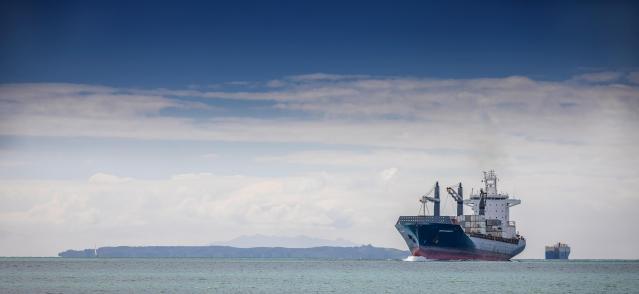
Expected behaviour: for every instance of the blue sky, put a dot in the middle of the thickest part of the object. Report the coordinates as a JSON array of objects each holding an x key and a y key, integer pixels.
[
  {"x": 122, "y": 121},
  {"x": 170, "y": 44}
]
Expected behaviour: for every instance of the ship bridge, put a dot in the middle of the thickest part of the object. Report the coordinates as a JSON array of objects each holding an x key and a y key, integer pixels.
[{"x": 497, "y": 205}]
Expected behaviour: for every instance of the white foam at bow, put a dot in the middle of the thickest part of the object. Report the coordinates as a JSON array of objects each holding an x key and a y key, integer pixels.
[{"x": 415, "y": 258}]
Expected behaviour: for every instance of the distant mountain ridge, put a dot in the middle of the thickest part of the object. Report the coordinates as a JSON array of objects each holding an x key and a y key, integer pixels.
[
  {"x": 324, "y": 252},
  {"x": 299, "y": 241}
]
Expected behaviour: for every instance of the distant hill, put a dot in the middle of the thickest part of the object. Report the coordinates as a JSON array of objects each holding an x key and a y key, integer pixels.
[
  {"x": 325, "y": 252},
  {"x": 282, "y": 241}
]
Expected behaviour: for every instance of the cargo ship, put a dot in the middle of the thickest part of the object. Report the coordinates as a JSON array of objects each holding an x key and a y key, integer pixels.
[
  {"x": 487, "y": 234},
  {"x": 558, "y": 251}
]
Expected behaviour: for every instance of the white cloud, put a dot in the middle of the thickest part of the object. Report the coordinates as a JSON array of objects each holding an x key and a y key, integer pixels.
[
  {"x": 388, "y": 174},
  {"x": 379, "y": 158},
  {"x": 70, "y": 102},
  {"x": 399, "y": 112},
  {"x": 275, "y": 84},
  {"x": 599, "y": 77},
  {"x": 220, "y": 206},
  {"x": 324, "y": 77},
  {"x": 102, "y": 178}
]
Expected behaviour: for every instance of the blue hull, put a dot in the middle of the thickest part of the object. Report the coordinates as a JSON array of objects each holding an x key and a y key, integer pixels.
[
  {"x": 442, "y": 239},
  {"x": 557, "y": 255}
]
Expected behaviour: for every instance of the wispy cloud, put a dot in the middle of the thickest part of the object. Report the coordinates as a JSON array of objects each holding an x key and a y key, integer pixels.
[
  {"x": 599, "y": 77},
  {"x": 374, "y": 108},
  {"x": 325, "y": 77}
]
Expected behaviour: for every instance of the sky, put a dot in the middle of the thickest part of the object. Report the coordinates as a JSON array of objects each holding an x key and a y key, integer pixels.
[{"x": 166, "y": 123}]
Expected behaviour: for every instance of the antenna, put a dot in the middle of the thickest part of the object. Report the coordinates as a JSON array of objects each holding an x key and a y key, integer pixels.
[
  {"x": 482, "y": 202},
  {"x": 490, "y": 180}
]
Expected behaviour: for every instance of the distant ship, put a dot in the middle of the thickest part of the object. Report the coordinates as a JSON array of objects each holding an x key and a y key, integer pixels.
[
  {"x": 558, "y": 251},
  {"x": 487, "y": 234}
]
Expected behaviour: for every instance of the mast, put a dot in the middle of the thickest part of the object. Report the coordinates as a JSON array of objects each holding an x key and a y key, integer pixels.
[
  {"x": 458, "y": 198},
  {"x": 436, "y": 204},
  {"x": 482, "y": 202},
  {"x": 460, "y": 203}
]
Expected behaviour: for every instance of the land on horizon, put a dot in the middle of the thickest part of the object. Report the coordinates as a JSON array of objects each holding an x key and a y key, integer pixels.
[{"x": 323, "y": 252}]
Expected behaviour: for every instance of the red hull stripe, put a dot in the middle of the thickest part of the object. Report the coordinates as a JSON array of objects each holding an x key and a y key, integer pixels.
[{"x": 449, "y": 254}]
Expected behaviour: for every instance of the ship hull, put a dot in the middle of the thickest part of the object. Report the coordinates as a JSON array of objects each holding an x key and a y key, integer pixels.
[
  {"x": 557, "y": 254},
  {"x": 439, "y": 253},
  {"x": 448, "y": 241}
]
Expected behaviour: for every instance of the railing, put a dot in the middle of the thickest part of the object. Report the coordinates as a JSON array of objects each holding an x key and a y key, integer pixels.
[
  {"x": 427, "y": 219},
  {"x": 489, "y": 237}
]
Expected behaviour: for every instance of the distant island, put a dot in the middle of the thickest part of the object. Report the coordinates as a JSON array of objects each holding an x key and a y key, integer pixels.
[{"x": 323, "y": 252}]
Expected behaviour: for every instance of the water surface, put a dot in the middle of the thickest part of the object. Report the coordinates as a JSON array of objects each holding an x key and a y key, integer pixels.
[{"x": 205, "y": 275}]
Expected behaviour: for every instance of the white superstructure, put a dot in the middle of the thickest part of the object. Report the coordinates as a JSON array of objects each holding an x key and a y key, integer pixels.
[{"x": 497, "y": 206}]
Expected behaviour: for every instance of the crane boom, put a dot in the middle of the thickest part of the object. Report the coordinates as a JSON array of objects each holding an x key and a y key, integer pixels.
[
  {"x": 459, "y": 198},
  {"x": 454, "y": 194},
  {"x": 425, "y": 199}
]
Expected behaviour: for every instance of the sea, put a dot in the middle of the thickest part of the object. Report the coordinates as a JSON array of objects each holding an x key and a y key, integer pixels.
[{"x": 220, "y": 275}]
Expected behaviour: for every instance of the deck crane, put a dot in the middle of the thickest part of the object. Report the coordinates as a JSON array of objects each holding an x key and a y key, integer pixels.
[
  {"x": 425, "y": 199},
  {"x": 459, "y": 198},
  {"x": 482, "y": 202}
]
